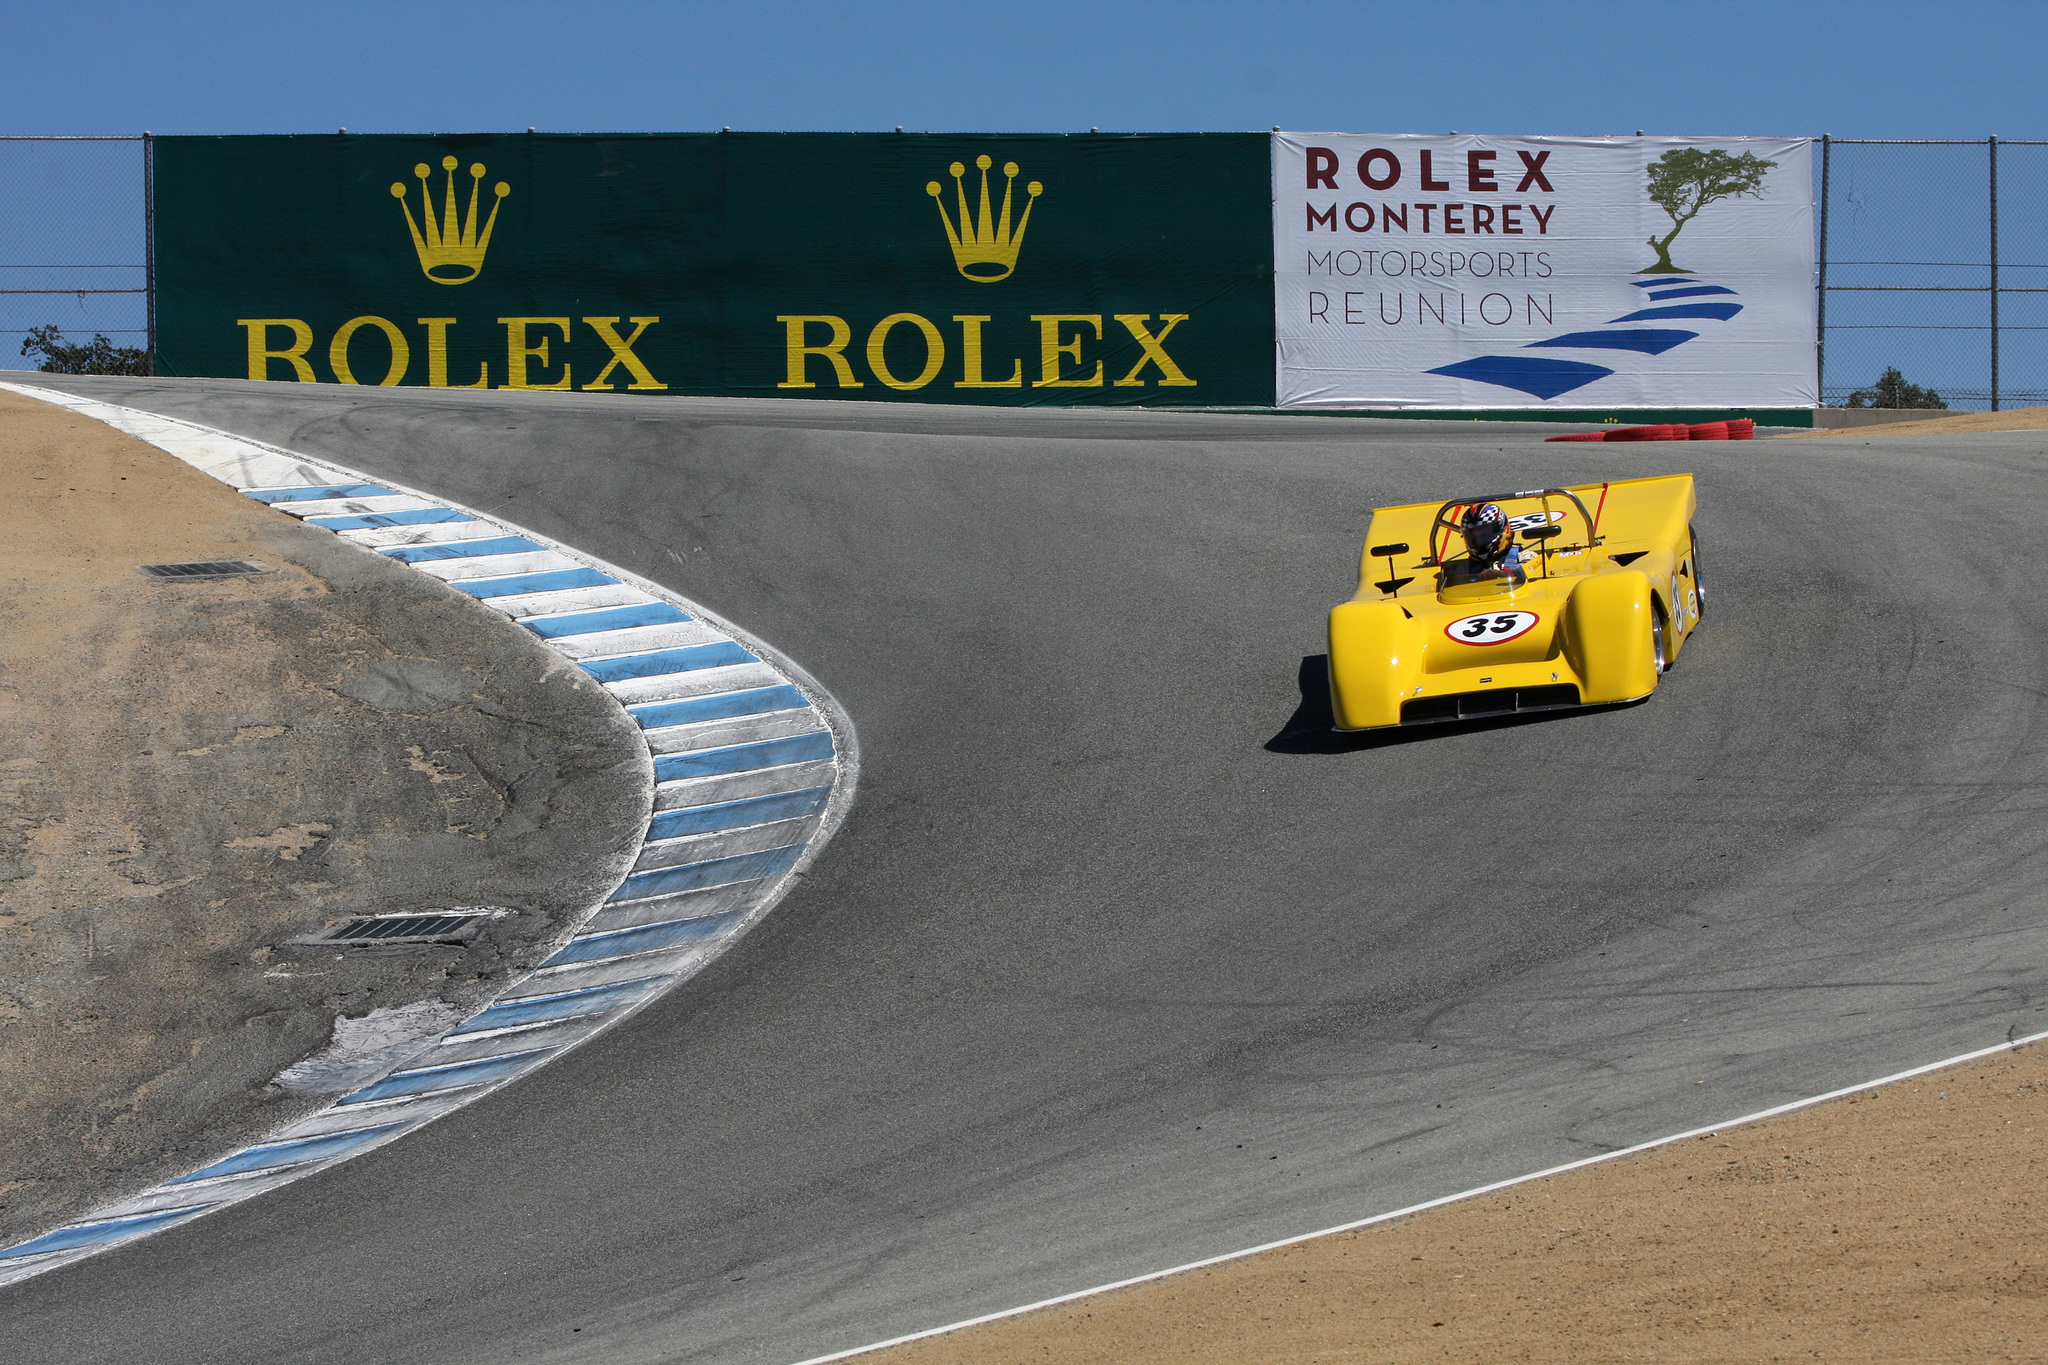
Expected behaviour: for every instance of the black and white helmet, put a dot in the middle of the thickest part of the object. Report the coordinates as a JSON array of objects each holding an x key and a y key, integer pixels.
[{"x": 1486, "y": 530}]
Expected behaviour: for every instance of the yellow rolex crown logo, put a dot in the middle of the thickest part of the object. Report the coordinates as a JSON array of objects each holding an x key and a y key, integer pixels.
[
  {"x": 449, "y": 255},
  {"x": 985, "y": 251}
]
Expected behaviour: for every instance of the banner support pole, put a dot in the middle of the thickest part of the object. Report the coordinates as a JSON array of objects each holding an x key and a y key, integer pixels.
[
  {"x": 1992, "y": 144},
  {"x": 149, "y": 241},
  {"x": 1820, "y": 327}
]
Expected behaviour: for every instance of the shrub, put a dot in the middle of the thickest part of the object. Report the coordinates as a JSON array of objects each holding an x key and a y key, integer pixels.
[
  {"x": 98, "y": 356},
  {"x": 1892, "y": 391}
]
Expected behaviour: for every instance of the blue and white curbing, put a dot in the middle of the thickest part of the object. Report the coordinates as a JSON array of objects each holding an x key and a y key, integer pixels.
[{"x": 754, "y": 767}]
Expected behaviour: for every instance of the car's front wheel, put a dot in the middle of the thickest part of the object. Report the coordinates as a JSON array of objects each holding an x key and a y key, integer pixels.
[{"x": 1660, "y": 656}]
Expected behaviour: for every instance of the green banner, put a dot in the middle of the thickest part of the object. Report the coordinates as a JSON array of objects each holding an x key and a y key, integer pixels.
[{"x": 1073, "y": 270}]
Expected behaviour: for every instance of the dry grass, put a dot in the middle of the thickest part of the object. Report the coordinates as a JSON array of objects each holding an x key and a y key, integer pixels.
[{"x": 2016, "y": 419}]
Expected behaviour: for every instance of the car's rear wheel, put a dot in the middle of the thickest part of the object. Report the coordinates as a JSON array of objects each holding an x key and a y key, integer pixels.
[
  {"x": 1659, "y": 654},
  {"x": 1699, "y": 583}
]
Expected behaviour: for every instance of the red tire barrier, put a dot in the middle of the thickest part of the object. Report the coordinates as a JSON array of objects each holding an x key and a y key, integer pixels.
[{"x": 1734, "y": 429}]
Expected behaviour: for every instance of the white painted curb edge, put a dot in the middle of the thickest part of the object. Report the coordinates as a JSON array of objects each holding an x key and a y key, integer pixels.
[
  {"x": 602, "y": 973},
  {"x": 1711, "y": 1131}
]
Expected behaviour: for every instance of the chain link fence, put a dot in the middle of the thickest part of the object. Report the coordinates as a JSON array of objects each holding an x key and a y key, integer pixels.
[
  {"x": 74, "y": 242},
  {"x": 1933, "y": 260}
]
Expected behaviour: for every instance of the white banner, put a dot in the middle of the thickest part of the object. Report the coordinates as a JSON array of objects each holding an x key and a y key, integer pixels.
[{"x": 1563, "y": 272}]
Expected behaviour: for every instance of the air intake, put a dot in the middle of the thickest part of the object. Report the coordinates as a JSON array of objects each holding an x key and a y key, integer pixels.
[{"x": 1481, "y": 705}]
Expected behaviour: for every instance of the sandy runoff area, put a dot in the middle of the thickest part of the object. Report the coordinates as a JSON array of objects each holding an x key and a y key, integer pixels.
[
  {"x": 1904, "y": 1223},
  {"x": 2015, "y": 419}
]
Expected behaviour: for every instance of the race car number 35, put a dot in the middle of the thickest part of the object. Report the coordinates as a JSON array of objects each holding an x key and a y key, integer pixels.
[{"x": 1493, "y": 628}]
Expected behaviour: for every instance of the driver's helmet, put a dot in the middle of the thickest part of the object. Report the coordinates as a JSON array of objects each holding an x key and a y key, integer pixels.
[{"x": 1486, "y": 530}]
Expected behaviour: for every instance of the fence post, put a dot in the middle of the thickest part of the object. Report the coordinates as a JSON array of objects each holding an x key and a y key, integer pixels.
[
  {"x": 1992, "y": 143},
  {"x": 149, "y": 241},
  {"x": 1820, "y": 328}
]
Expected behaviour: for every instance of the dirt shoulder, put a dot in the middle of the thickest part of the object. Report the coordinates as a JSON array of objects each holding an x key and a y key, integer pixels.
[
  {"x": 2015, "y": 419},
  {"x": 194, "y": 773},
  {"x": 1901, "y": 1224}
]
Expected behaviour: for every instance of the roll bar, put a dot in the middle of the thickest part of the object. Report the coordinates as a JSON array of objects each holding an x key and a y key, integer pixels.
[{"x": 1442, "y": 521}]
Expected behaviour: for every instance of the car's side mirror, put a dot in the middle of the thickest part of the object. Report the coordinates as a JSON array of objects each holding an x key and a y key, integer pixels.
[
  {"x": 1397, "y": 549},
  {"x": 1542, "y": 532}
]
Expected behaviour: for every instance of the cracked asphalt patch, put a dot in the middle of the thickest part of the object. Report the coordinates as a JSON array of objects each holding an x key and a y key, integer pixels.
[{"x": 194, "y": 773}]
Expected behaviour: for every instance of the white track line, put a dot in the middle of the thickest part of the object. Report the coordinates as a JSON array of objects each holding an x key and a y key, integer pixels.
[{"x": 1462, "y": 1195}]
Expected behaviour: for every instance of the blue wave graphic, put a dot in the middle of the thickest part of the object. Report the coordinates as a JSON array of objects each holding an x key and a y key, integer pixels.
[
  {"x": 1693, "y": 292},
  {"x": 1723, "y": 311},
  {"x": 1544, "y": 378},
  {"x": 1648, "y": 340},
  {"x": 1536, "y": 375}
]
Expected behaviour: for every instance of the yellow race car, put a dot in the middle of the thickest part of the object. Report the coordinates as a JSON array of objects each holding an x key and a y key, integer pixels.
[{"x": 1606, "y": 595}]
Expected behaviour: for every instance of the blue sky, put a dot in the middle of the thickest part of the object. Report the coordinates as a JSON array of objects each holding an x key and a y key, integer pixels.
[{"x": 1880, "y": 68}]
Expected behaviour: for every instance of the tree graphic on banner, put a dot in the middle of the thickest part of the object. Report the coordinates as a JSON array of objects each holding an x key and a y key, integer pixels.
[{"x": 1687, "y": 179}]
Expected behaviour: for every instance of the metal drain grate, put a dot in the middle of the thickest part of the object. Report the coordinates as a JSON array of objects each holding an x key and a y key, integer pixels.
[
  {"x": 441, "y": 925},
  {"x": 381, "y": 928},
  {"x": 205, "y": 568}
]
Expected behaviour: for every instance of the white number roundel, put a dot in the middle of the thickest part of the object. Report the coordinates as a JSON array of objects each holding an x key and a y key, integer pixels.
[
  {"x": 1493, "y": 628},
  {"x": 1530, "y": 520}
]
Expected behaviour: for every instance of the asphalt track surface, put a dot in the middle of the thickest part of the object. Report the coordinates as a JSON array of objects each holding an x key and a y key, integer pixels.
[{"x": 1120, "y": 960}]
